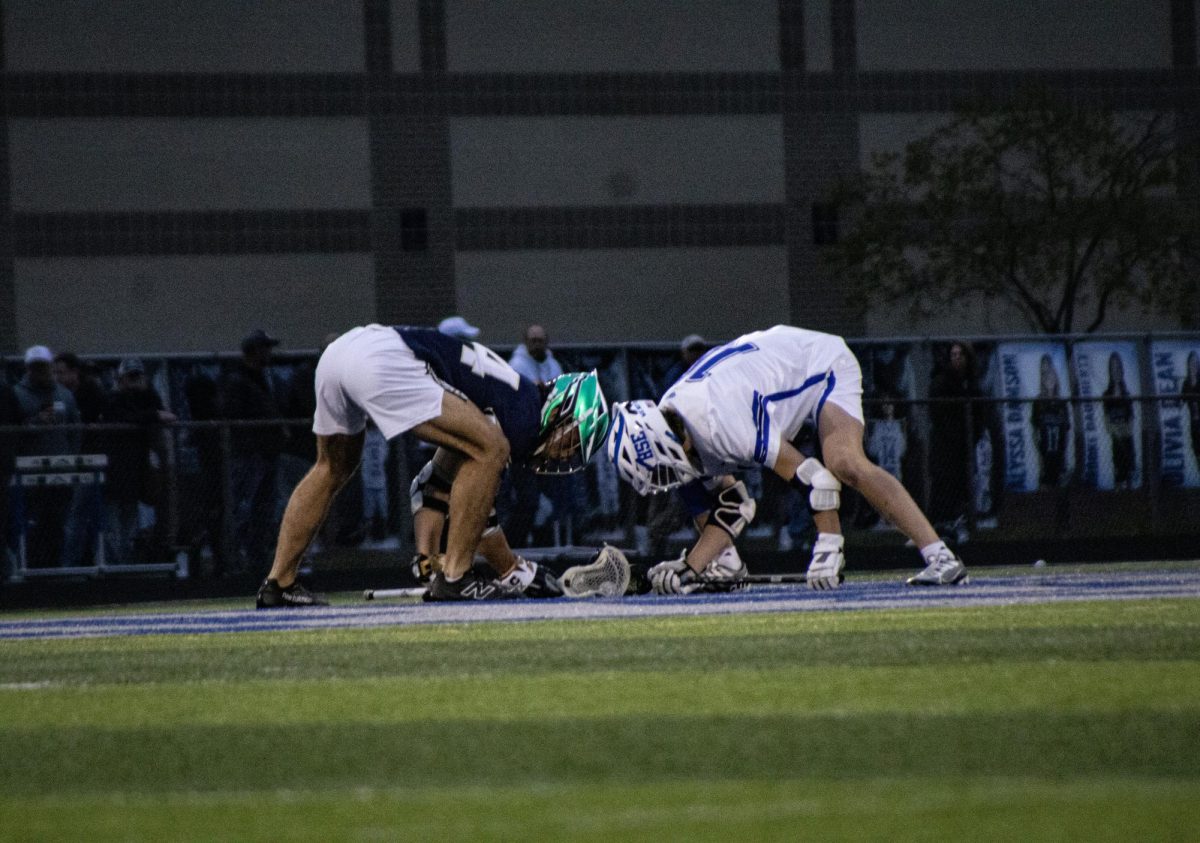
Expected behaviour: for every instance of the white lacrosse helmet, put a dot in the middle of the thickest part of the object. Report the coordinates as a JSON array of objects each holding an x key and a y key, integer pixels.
[{"x": 647, "y": 455}]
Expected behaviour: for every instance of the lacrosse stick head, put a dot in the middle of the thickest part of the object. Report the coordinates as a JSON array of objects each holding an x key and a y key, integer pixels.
[
  {"x": 607, "y": 575},
  {"x": 574, "y": 423}
]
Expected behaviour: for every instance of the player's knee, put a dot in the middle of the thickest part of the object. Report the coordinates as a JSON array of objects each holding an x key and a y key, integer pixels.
[
  {"x": 848, "y": 467},
  {"x": 496, "y": 449}
]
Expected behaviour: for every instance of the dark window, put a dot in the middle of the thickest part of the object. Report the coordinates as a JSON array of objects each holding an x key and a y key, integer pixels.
[
  {"x": 824, "y": 223},
  {"x": 414, "y": 231}
]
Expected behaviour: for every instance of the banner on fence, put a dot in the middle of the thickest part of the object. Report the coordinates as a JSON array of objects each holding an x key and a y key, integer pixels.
[
  {"x": 1110, "y": 428},
  {"x": 1037, "y": 433},
  {"x": 1176, "y": 367}
]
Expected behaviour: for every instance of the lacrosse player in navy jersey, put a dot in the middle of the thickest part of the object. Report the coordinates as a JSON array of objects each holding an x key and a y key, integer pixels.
[
  {"x": 742, "y": 404},
  {"x": 460, "y": 396}
]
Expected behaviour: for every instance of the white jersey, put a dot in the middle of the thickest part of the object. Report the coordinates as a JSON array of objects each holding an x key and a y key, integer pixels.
[{"x": 742, "y": 400}]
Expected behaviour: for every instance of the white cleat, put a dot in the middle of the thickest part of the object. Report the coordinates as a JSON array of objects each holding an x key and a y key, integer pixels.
[{"x": 946, "y": 569}]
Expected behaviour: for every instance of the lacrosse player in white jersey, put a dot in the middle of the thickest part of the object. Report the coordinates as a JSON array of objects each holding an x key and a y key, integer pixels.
[{"x": 741, "y": 405}]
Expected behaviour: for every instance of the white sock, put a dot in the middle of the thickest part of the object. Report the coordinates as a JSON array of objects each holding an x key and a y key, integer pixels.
[
  {"x": 829, "y": 541},
  {"x": 934, "y": 550}
]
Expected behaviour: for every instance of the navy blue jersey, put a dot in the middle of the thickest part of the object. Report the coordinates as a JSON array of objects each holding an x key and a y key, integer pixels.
[{"x": 484, "y": 378}]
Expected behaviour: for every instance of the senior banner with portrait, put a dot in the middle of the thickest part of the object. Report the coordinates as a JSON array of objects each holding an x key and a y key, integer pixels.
[
  {"x": 1037, "y": 418},
  {"x": 1110, "y": 427},
  {"x": 1176, "y": 368}
]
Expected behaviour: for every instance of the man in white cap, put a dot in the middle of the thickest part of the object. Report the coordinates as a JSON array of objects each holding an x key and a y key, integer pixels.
[
  {"x": 459, "y": 328},
  {"x": 46, "y": 405}
]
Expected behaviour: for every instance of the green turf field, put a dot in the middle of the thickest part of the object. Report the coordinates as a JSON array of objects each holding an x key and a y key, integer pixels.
[{"x": 1075, "y": 721}]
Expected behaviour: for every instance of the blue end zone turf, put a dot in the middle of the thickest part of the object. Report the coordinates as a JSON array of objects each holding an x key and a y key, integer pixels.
[{"x": 853, "y": 596}]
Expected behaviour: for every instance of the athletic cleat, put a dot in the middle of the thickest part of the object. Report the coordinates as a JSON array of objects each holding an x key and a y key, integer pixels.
[
  {"x": 470, "y": 587},
  {"x": 295, "y": 596},
  {"x": 945, "y": 569}
]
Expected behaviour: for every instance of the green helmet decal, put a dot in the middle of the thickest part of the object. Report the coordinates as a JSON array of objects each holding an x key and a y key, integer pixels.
[{"x": 573, "y": 426}]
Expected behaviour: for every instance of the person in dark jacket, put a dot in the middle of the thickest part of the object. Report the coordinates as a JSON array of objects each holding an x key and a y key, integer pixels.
[
  {"x": 248, "y": 393},
  {"x": 85, "y": 518},
  {"x": 132, "y": 456},
  {"x": 952, "y": 432},
  {"x": 10, "y": 416}
]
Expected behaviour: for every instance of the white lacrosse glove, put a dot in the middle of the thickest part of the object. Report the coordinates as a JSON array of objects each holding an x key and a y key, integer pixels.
[
  {"x": 825, "y": 569},
  {"x": 825, "y": 488},
  {"x": 673, "y": 577}
]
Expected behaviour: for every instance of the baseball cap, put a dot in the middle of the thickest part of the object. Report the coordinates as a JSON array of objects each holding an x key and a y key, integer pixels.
[
  {"x": 456, "y": 326},
  {"x": 38, "y": 354},
  {"x": 691, "y": 341},
  {"x": 129, "y": 366},
  {"x": 258, "y": 338}
]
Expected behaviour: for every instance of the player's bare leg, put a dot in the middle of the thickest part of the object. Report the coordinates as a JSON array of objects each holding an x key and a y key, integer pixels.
[
  {"x": 307, "y": 508},
  {"x": 842, "y": 452},
  {"x": 428, "y": 525},
  {"x": 463, "y": 427}
]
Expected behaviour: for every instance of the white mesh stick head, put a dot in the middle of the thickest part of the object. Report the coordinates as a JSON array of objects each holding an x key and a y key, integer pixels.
[{"x": 605, "y": 576}]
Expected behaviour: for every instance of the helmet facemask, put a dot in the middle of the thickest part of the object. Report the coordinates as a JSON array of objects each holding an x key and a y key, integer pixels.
[
  {"x": 574, "y": 424},
  {"x": 646, "y": 453}
]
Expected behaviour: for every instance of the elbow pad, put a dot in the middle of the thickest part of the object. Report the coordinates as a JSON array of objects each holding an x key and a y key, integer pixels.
[{"x": 733, "y": 510}]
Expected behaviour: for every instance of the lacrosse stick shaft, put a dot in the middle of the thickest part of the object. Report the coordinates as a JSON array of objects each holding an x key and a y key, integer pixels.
[
  {"x": 757, "y": 579},
  {"x": 384, "y": 593}
]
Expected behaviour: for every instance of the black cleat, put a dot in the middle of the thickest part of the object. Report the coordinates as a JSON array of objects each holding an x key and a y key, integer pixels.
[
  {"x": 470, "y": 587},
  {"x": 295, "y": 596}
]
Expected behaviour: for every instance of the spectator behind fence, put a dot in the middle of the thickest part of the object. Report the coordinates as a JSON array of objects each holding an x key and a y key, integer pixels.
[
  {"x": 691, "y": 349},
  {"x": 248, "y": 393},
  {"x": 521, "y": 491},
  {"x": 83, "y": 380},
  {"x": 10, "y": 415},
  {"x": 45, "y": 405},
  {"x": 85, "y": 517},
  {"x": 135, "y": 458},
  {"x": 887, "y": 442},
  {"x": 950, "y": 446},
  {"x": 204, "y": 534}
]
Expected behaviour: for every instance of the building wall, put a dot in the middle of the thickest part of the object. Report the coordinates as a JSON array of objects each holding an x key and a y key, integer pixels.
[{"x": 173, "y": 174}]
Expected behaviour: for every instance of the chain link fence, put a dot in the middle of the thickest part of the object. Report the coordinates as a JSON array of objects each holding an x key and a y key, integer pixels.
[{"x": 1011, "y": 460}]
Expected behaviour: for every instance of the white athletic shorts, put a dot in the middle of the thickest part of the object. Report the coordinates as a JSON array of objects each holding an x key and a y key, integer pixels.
[
  {"x": 847, "y": 389},
  {"x": 370, "y": 371}
]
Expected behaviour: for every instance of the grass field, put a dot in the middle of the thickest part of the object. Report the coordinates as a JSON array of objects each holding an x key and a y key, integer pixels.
[{"x": 1075, "y": 721}]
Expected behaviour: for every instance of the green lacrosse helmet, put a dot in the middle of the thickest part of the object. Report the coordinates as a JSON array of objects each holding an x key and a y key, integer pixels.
[{"x": 574, "y": 424}]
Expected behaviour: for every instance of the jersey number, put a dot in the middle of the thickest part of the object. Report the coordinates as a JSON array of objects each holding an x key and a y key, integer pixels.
[
  {"x": 705, "y": 364},
  {"x": 484, "y": 362}
]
